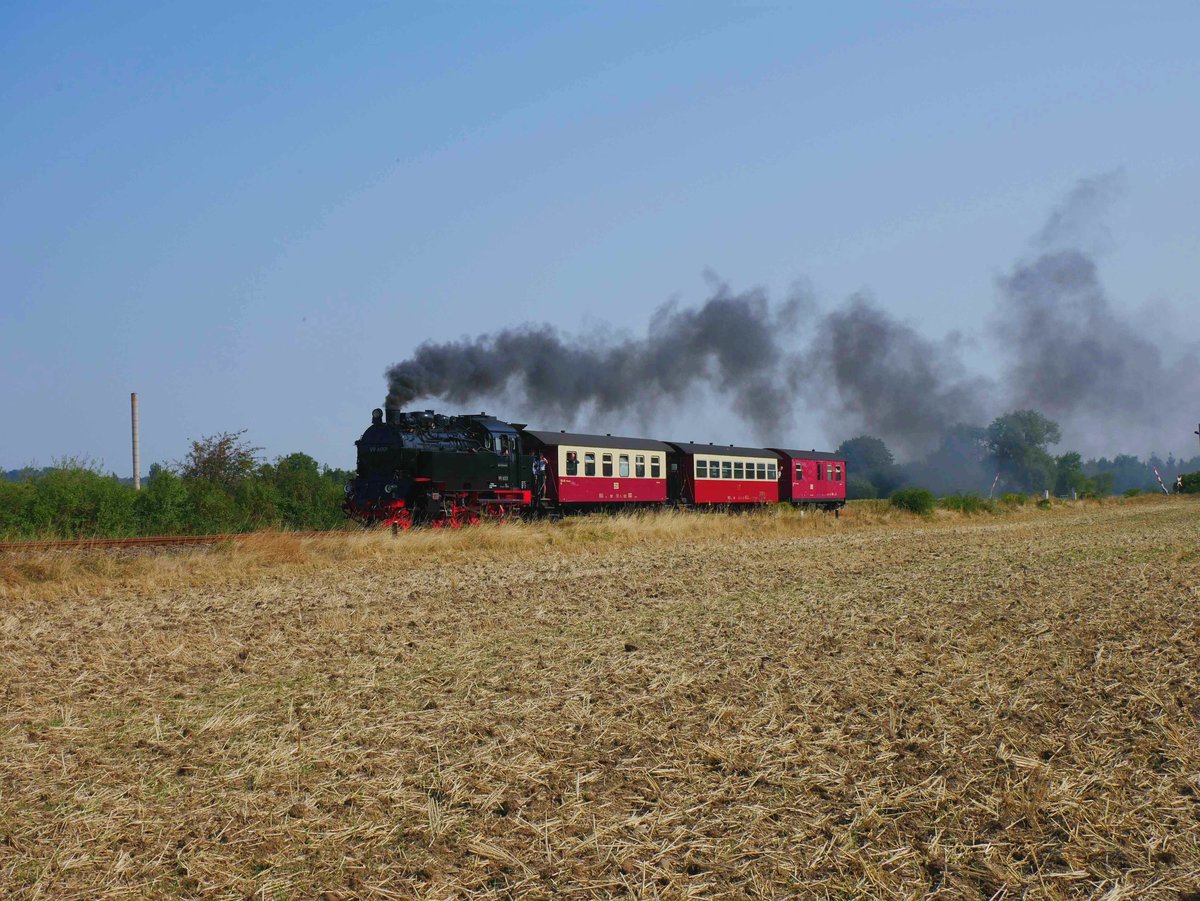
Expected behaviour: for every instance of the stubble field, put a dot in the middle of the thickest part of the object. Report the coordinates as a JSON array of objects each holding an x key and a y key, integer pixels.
[{"x": 662, "y": 707}]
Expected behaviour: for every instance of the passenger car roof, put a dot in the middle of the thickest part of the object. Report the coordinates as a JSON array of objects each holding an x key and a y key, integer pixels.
[
  {"x": 553, "y": 439},
  {"x": 727, "y": 450},
  {"x": 808, "y": 455}
]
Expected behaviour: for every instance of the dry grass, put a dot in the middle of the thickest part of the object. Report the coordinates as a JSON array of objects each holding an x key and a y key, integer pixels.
[{"x": 665, "y": 706}]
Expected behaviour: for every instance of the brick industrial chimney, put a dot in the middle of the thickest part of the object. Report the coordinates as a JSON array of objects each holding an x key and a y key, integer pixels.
[{"x": 137, "y": 469}]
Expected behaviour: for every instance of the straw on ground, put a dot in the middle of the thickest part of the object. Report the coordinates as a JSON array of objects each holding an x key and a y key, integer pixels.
[{"x": 666, "y": 706}]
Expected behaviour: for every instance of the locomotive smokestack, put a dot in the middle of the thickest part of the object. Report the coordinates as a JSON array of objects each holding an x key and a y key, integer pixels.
[{"x": 137, "y": 468}]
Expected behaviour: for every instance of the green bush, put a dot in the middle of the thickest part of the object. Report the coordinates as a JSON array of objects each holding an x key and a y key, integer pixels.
[
  {"x": 1132, "y": 492},
  {"x": 74, "y": 500},
  {"x": 914, "y": 500},
  {"x": 1014, "y": 499},
  {"x": 162, "y": 506},
  {"x": 967, "y": 503},
  {"x": 860, "y": 489},
  {"x": 220, "y": 488},
  {"x": 1044, "y": 503}
]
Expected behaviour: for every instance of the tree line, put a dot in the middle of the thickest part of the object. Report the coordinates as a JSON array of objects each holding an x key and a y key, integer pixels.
[
  {"x": 1010, "y": 455},
  {"x": 222, "y": 485}
]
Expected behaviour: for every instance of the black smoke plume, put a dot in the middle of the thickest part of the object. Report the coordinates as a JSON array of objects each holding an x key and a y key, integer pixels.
[
  {"x": 1107, "y": 376},
  {"x": 733, "y": 343},
  {"x": 1068, "y": 352},
  {"x": 857, "y": 364},
  {"x": 870, "y": 373}
]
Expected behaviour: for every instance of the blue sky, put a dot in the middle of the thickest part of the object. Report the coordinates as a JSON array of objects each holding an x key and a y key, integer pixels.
[{"x": 246, "y": 212}]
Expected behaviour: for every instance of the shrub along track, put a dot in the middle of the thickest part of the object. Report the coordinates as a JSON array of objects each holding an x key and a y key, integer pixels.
[{"x": 1003, "y": 708}]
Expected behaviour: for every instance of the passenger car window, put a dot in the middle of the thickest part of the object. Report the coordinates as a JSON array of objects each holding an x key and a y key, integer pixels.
[
  {"x": 737, "y": 470},
  {"x": 762, "y": 470},
  {"x": 655, "y": 472},
  {"x": 837, "y": 472},
  {"x": 819, "y": 471},
  {"x": 572, "y": 463},
  {"x": 589, "y": 464},
  {"x": 726, "y": 469},
  {"x": 623, "y": 466},
  {"x": 702, "y": 469},
  {"x": 640, "y": 467},
  {"x": 606, "y": 466},
  {"x": 771, "y": 471}
]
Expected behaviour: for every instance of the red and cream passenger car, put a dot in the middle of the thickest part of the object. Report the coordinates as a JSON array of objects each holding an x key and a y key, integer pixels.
[
  {"x": 812, "y": 478},
  {"x": 713, "y": 474},
  {"x": 602, "y": 469}
]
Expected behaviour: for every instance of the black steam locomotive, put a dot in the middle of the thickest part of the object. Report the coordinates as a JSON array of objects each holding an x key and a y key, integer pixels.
[
  {"x": 448, "y": 471},
  {"x": 423, "y": 467}
]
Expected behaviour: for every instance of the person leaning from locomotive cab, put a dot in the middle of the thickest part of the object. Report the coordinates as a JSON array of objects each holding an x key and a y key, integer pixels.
[{"x": 539, "y": 478}]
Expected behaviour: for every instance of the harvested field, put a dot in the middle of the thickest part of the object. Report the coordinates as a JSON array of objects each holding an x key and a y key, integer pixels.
[{"x": 673, "y": 706}]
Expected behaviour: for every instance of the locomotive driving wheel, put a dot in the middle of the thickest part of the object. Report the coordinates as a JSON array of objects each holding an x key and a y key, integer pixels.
[
  {"x": 400, "y": 521},
  {"x": 450, "y": 516},
  {"x": 496, "y": 512}
]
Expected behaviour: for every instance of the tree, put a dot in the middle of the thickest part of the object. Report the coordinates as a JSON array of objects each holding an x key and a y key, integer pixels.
[
  {"x": 1101, "y": 485},
  {"x": 869, "y": 461},
  {"x": 859, "y": 488},
  {"x": 222, "y": 460},
  {"x": 15, "y": 498},
  {"x": 958, "y": 463},
  {"x": 162, "y": 506},
  {"x": 1071, "y": 476},
  {"x": 296, "y": 480},
  {"x": 865, "y": 454},
  {"x": 1125, "y": 470},
  {"x": 1068, "y": 474},
  {"x": 1016, "y": 444}
]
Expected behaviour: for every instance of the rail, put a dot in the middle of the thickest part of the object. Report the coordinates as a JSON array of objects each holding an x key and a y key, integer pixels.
[{"x": 150, "y": 540}]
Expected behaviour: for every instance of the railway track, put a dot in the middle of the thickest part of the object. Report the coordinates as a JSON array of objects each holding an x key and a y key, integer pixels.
[{"x": 144, "y": 541}]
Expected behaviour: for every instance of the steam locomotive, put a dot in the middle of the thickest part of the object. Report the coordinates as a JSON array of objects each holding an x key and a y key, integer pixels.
[{"x": 423, "y": 467}]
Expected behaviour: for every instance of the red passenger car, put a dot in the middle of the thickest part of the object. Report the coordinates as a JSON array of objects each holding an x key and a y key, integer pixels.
[
  {"x": 600, "y": 470},
  {"x": 713, "y": 474},
  {"x": 812, "y": 478}
]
